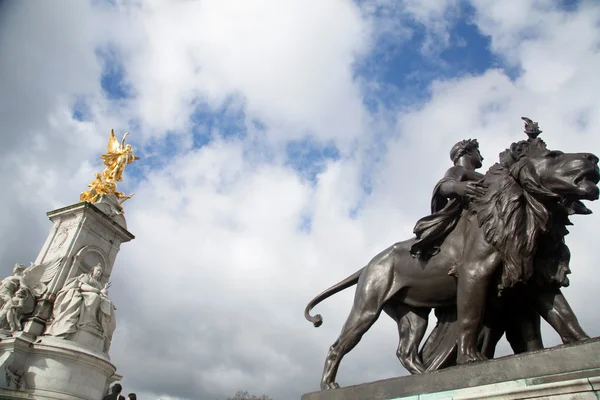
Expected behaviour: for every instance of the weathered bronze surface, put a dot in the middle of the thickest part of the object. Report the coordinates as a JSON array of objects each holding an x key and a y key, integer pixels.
[{"x": 490, "y": 260}]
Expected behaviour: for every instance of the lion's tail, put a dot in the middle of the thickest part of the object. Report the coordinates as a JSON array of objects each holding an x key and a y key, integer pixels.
[{"x": 317, "y": 320}]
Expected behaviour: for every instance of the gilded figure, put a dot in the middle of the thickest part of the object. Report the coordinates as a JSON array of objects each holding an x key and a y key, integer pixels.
[{"x": 117, "y": 157}]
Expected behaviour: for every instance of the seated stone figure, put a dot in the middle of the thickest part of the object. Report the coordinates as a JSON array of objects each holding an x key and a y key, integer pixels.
[{"x": 83, "y": 303}]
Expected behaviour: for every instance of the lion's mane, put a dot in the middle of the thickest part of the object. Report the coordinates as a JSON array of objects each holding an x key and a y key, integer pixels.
[{"x": 513, "y": 217}]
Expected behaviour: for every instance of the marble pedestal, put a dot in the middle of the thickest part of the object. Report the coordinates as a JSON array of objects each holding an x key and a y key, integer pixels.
[
  {"x": 54, "y": 368},
  {"x": 35, "y": 365},
  {"x": 563, "y": 372}
]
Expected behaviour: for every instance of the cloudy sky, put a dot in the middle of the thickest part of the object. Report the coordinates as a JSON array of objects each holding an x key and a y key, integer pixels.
[{"x": 284, "y": 143}]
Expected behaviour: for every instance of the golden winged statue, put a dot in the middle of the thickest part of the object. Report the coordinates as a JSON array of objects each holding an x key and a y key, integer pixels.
[{"x": 117, "y": 156}]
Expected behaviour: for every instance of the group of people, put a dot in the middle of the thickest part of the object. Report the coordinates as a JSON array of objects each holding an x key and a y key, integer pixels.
[{"x": 115, "y": 393}]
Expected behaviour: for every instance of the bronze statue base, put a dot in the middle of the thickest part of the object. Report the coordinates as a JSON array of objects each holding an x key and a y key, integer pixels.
[{"x": 561, "y": 372}]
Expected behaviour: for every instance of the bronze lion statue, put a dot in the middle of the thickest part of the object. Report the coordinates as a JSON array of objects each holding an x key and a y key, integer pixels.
[{"x": 504, "y": 262}]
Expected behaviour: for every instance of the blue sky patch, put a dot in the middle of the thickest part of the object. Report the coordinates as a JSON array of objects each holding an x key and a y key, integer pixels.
[
  {"x": 113, "y": 80},
  {"x": 309, "y": 158},
  {"x": 226, "y": 121},
  {"x": 403, "y": 72},
  {"x": 159, "y": 152},
  {"x": 81, "y": 109},
  {"x": 305, "y": 224},
  {"x": 568, "y": 5},
  {"x": 469, "y": 51}
]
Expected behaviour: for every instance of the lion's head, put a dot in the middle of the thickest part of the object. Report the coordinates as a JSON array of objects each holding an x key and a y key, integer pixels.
[{"x": 531, "y": 192}]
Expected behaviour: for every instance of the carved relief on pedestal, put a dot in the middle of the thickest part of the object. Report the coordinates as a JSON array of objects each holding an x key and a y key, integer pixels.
[
  {"x": 68, "y": 223},
  {"x": 65, "y": 230},
  {"x": 14, "y": 379},
  {"x": 59, "y": 239}
]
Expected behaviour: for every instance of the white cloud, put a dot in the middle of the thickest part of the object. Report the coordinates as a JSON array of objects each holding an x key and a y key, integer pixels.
[
  {"x": 47, "y": 58},
  {"x": 290, "y": 60},
  {"x": 437, "y": 17}
]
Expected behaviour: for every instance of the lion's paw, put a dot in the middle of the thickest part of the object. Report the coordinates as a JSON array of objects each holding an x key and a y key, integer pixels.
[
  {"x": 470, "y": 357},
  {"x": 329, "y": 385}
]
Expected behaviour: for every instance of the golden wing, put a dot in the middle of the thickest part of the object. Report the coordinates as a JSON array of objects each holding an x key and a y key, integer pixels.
[
  {"x": 123, "y": 141},
  {"x": 110, "y": 158},
  {"x": 113, "y": 144}
]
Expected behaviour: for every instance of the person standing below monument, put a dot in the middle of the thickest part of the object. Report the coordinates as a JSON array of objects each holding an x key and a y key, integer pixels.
[
  {"x": 115, "y": 393},
  {"x": 450, "y": 196}
]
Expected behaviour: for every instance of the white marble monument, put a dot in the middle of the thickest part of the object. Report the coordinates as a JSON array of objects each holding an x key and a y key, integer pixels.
[{"x": 56, "y": 316}]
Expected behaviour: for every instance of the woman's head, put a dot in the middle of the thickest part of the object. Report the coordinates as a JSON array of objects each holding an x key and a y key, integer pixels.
[{"x": 96, "y": 271}]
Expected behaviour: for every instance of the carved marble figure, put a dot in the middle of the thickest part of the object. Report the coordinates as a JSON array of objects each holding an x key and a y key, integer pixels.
[
  {"x": 507, "y": 244},
  {"x": 18, "y": 295},
  {"x": 10, "y": 285},
  {"x": 83, "y": 304},
  {"x": 13, "y": 310}
]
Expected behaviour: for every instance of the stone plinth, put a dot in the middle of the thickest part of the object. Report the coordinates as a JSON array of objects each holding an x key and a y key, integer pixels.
[
  {"x": 53, "y": 368},
  {"x": 9, "y": 394},
  {"x": 562, "y": 372}
]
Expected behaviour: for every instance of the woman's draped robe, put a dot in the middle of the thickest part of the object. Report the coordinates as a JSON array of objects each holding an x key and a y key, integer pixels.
[
  {"x": 75, "y": 309},
  {"x": 432, "y": 229},
  {"x": 439, "y": 349}
]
